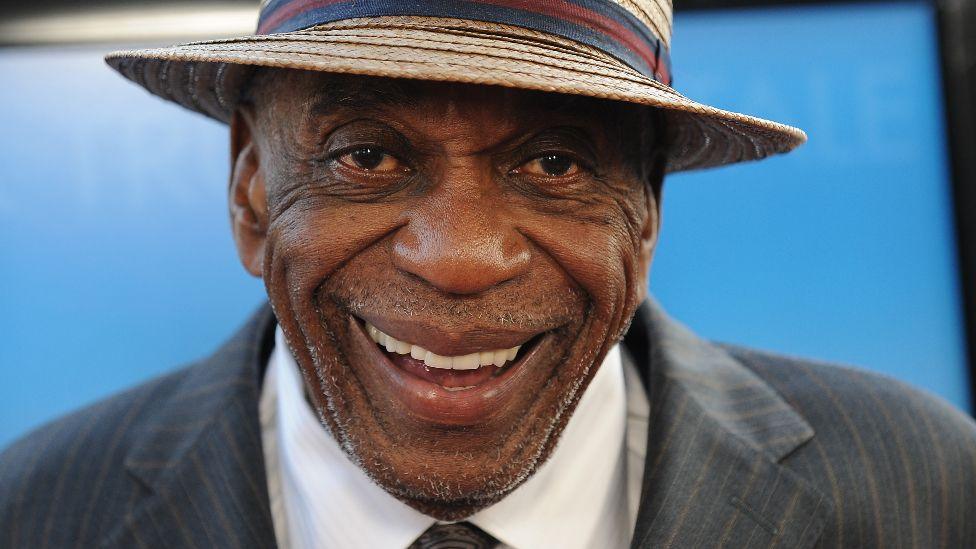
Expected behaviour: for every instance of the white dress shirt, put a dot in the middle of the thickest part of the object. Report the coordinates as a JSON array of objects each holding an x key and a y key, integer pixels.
[{"x": 584, "y": 496}]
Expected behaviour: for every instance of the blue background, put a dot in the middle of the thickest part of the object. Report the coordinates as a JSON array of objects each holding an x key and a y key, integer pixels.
[{"x": 118, "y": 264}]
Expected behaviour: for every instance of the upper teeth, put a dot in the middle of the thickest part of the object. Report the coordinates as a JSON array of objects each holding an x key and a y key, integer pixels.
[{"x": 464, "y": 362}]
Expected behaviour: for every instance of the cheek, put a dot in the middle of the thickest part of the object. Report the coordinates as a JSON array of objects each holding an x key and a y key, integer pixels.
[
  {"x": 310, "y": 240},
  {"x": 601, "y": 252}
]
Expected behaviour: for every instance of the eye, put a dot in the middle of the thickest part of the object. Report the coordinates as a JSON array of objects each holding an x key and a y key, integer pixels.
[
  {"x": 372, "y": 159},
  {"x": 550, "y": 165}
]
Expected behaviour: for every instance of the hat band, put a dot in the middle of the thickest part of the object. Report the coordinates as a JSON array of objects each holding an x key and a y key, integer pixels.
[{"x": 602, "y": 24}]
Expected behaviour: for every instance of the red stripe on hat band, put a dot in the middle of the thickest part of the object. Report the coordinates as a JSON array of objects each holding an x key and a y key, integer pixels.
[
  {"x": 585, "y": 18},
  {"x": 290, "y": 10}
]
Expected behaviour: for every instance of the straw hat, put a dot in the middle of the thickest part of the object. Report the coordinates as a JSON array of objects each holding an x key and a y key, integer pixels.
[{"x": 613, "y": 49}]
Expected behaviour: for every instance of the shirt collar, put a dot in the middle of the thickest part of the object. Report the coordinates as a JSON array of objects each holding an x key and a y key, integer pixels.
[{"x": 576, "y": 499}]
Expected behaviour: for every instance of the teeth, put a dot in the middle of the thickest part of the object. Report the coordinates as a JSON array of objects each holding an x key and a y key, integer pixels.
[
  {"x": 471, "y": 361},
  {"x": 437, "y": 361},
  {"x": 499, "y": 357},
  {"x": 418, "y": 352},
  {"x": 467, "y": 362}
]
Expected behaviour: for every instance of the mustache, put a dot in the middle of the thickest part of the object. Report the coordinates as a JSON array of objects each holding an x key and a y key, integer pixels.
[{"x": 525, "y": 306}]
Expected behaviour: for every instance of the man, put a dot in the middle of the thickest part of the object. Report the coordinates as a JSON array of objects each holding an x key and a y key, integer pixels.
[{"x": 454, "y": 206}]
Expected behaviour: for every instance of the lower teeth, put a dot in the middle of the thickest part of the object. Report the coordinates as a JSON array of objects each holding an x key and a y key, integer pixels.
[{"x": 453, "y": 389}]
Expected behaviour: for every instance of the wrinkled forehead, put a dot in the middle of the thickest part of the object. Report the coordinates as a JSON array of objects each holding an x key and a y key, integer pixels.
[{"x": 316, "y": 93}]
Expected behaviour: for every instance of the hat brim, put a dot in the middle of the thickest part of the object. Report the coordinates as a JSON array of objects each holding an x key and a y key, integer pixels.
[{"x": 208, "y": 77}]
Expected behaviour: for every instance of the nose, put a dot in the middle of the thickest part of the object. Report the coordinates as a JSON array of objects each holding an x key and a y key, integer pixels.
[{"x": 460, "y": 243}]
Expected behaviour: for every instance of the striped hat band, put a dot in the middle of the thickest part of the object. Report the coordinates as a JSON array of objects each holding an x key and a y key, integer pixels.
[{"x": 637, "y": 32}]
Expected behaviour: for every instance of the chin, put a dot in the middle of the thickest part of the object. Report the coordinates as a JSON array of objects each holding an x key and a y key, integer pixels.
[{"x": 443, "y": 406}]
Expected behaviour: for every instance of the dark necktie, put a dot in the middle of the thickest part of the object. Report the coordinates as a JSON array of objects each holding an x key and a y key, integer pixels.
[{"x": 460, "y": 535}]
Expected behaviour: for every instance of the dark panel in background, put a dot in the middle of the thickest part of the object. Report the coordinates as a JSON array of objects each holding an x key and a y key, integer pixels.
[{"x": 957, "y": 32}]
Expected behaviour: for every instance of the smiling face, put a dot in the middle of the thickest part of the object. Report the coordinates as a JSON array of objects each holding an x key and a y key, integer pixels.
[{"x": 449, "y": 264}]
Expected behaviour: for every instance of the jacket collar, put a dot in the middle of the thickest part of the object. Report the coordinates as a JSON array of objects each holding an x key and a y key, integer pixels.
[
  {"x": 200, "y": 458},
  {"x": 716, "y": 435}
]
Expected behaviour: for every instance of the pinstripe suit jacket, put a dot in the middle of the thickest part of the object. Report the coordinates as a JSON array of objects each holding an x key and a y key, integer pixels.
[{"x": 745, "y": 449}]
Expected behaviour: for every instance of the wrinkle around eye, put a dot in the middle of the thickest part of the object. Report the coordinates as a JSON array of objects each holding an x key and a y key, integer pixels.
[
  {"x": 319, "y": 180},
  {"x": 536, "y": 167},
  {"x": 577, "y": 193},
  {"x": 387, "y": 163}
]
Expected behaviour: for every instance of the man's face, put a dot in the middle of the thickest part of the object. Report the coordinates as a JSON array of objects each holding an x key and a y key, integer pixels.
[{"x": 495, "y": 242}]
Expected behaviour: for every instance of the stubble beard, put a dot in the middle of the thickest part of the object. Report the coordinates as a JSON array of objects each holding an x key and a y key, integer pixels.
[{"x": 369, "y": 440}]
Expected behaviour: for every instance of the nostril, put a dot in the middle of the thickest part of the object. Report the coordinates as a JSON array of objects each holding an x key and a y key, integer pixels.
[
  {"x": 461, "y": 267},
  {"x": 460, "y": 241}
]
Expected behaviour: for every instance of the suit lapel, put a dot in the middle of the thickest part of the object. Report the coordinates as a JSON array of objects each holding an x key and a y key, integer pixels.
[
  {"x": 201, "y": 460},
  {"x": 716, "y": 434}
]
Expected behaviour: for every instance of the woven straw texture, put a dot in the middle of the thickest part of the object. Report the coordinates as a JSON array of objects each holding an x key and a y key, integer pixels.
[{"x": 208, "y": 77}]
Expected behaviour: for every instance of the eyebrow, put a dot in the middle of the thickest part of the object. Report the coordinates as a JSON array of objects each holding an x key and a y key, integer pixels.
[
  {"x": 360, "y": 95},
  {"x": 380, "y": 95}
]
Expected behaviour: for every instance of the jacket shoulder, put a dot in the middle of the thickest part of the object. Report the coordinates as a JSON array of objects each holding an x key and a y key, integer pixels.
[
  {"x": 67, "y": 476},
  {"x": 898, "y": 463},
  {"x": 66, "y": 483}
]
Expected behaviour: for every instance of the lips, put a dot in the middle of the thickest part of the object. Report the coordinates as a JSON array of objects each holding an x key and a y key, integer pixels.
[
  {"x": 451, "y": 372},
  {"x": 470, "y": 361},
  {"x": 441, "y": 395}
]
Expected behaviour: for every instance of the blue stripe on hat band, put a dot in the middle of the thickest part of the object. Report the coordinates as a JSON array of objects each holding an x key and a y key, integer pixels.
[{"x": 607, "y": 26}]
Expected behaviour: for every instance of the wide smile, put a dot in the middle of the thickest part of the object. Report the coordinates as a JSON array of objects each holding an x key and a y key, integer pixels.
[
  {"x": 443, "y": 379},
  {"x": 454, "y": 373}
]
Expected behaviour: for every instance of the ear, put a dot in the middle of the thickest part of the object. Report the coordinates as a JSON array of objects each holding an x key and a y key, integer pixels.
[
  {"x": 247, "y": 199},
  {"x": 652, "y": 222}
]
